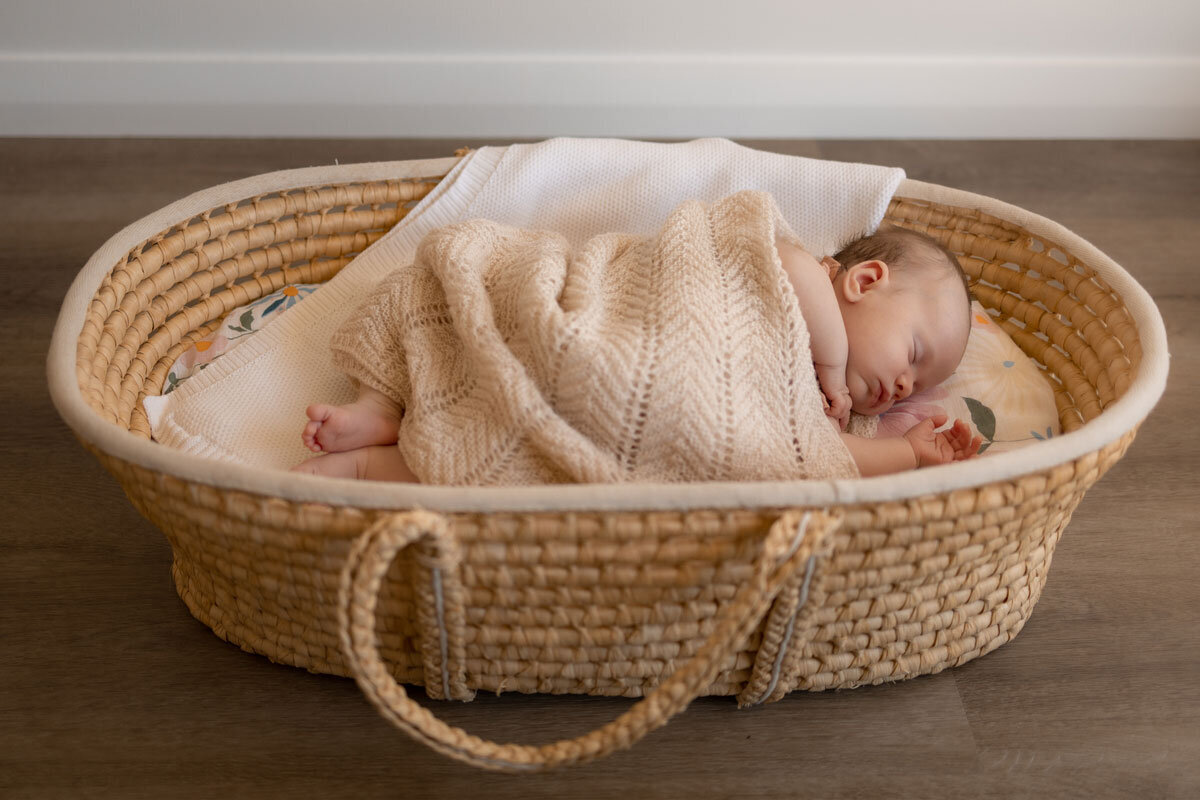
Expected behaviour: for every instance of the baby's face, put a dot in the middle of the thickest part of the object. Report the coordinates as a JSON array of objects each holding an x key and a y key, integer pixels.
[{"x": 902, "y": 340}]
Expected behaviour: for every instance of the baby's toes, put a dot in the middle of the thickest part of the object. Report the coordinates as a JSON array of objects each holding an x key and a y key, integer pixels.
[
  {"x": 319, "y": 412},
  {"x": 310, "y": 436}
]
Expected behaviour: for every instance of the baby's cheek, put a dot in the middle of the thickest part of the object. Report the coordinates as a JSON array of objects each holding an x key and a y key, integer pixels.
[{"x": 856, "y": 385}]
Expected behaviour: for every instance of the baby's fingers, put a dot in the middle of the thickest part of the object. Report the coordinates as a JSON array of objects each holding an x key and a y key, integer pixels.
[
  {"x": 838, "y": 409},
  {"x": 968, "y": 446},
  {"x": 959, "y": 438}
]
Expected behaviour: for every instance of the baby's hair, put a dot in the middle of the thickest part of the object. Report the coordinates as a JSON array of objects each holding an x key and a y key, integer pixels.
[{"x": 902, "y": 249}]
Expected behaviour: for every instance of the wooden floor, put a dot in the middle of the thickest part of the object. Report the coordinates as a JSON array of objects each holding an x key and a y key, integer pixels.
[{"x": 109, "y": 688}]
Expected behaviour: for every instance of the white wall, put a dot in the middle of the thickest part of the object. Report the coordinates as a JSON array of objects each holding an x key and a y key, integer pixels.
[{"x": 651, "y": 68}]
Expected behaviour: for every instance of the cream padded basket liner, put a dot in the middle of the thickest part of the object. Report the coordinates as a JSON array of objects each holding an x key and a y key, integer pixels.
[{"x": 665, "y": 592}]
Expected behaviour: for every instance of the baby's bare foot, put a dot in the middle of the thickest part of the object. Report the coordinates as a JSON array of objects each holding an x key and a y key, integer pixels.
[{"x": 335, "y": 429}]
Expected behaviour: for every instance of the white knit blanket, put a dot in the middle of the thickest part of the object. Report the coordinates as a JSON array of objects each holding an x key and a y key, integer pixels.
[
  {"x": 677, "y": 357},
  {"x": 249, "y": 405}
]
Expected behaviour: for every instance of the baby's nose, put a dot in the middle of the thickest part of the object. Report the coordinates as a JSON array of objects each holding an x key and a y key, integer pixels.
[{"x": 903, "y": 387}]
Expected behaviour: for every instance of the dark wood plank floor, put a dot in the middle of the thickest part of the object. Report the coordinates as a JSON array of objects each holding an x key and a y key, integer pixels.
[{"x": 108, "y": 688}]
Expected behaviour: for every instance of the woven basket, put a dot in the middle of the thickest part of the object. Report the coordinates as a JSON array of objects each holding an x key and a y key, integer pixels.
[{"x": 753, "y": 590}]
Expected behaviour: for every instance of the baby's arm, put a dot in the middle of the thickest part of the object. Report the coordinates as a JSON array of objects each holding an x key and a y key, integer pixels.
[
  {"x": 881, "y": 456},
  {"x": 920, "y": 446},
  {"x": 826, "y": 331}
]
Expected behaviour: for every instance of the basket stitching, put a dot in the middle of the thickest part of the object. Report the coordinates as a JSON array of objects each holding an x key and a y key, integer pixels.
[
  {"x": 801, "y": 529},
  {"x": 776, "y": 667},
  {"x": 443, "y": 644}
]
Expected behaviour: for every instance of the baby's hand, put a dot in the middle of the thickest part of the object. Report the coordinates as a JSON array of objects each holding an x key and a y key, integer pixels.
[
  {"x": 837, "y": 393},
  {"x": 941, "y": 447},
  {"x": 838, "y": 408}
]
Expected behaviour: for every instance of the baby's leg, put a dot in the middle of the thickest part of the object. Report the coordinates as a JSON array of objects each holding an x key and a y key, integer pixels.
[
  {"x": 371, "y": 419},
  {"x": 377, "y": 463}
]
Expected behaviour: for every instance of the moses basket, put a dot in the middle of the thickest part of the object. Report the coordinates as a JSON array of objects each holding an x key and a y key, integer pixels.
[{"x": 667, "y": 592}]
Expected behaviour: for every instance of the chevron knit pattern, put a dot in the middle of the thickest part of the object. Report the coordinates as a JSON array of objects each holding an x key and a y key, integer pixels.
[{"x": 680, "y": 357}]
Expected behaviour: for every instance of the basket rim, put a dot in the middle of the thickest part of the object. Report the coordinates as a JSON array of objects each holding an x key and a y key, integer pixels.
[{"x": 1116, "y": 420}]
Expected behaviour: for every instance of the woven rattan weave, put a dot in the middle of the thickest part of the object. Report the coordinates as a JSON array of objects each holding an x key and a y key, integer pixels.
[{"x": 753, "y": 602}]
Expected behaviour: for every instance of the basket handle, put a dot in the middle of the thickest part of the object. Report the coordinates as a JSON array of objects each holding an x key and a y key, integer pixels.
[{"x": 787, "y": 548}]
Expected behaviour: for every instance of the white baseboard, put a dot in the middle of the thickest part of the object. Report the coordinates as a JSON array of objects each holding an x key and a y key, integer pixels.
[{"x": 748, "y": 96}]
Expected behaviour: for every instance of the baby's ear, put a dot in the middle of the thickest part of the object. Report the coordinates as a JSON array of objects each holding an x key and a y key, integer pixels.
[{"x": 865, "y": 276}]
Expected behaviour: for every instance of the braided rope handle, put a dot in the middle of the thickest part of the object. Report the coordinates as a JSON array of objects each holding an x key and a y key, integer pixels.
[{"x": 786, "y": 549}]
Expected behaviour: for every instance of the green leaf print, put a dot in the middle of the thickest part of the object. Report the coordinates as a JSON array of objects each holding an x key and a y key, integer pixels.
[
  {"x": 247, "y": 323},
  {"x": 983, "y": 417}
]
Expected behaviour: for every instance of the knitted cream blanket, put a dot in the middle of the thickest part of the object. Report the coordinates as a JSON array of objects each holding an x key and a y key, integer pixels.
[{"x": 676, "y": 357}]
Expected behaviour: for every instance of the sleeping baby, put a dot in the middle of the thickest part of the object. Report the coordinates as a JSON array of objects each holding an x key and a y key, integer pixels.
[{"x": 717, "y": 350}]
